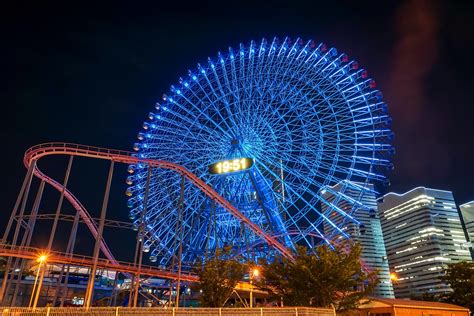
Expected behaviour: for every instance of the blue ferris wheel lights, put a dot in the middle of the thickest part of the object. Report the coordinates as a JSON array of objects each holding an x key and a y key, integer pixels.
[{"x": 274, "y": 98}]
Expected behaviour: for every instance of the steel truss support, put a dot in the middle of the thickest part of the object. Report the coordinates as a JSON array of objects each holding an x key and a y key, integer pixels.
[
  {"x": 60, "y": 204},
  {"x": 71, "y": 218},
  {"x": 90, "y": 284},
  {"x": 140, "y": 237},
  {"x": 62, "y": 288},
  {"x": 33, "y": 217},
  {"x": 181, "y": 233},
  {"x": 26, "y": 240},
  {"x": 25, "y": 186},
  {"x": 22, "y": 199},
  {"x": 42, "y": 269}
]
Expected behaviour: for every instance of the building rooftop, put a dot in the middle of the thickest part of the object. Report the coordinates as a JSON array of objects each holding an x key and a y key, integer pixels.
[
  {"x": 468, "y": 204},
  {"x": 416, "y": 189}
]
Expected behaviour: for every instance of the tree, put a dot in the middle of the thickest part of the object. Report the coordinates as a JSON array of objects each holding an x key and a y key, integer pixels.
[
  {"x": 218, "y": 277},
  {"x": 428, "y": 297},
  {"x": 460, "y": 276},
  {"x": 323, "y": 278}
]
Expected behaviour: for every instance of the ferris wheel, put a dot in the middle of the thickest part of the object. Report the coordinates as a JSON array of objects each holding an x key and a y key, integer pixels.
[{"x": 270, "y": 126}]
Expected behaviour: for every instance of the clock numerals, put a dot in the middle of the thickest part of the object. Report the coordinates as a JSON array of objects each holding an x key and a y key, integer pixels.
[{"x": 233, "y": 165}]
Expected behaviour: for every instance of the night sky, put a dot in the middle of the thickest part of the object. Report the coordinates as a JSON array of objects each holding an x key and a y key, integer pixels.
[{"x": 91, "y": 74}]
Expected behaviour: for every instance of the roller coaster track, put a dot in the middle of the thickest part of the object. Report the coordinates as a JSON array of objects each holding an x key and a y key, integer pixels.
[
  {"x": 85, "y": 261},
  {"x": 36, "y": 152}
]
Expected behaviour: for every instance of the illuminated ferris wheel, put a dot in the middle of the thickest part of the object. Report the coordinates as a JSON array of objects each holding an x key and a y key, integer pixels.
[{"x": 270, "y": 126}]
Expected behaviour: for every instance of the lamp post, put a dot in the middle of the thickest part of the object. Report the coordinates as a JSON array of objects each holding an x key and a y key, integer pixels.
[
  {"x": 42, "y": 260},
  {"x": 393, "y": 277},
  {"x": 253, "y": 274}
]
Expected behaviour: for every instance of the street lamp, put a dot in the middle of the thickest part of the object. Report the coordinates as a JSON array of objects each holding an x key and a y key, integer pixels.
[
  {"x": 255, "y": 273},
  {"x": 42, "y": 258},
  {"x": 393, "y": 277}
]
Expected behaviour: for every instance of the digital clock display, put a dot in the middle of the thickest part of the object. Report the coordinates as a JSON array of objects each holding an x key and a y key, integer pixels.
[{"x": 232, "y": 165}]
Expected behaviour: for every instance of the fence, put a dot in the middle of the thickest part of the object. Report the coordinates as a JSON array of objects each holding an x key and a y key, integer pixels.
[{"x": 125, "y": 311}]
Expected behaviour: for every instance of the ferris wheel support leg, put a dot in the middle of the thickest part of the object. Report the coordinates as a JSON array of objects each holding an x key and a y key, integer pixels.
[
  {"x": 90, "y": 284},
  {"x": 60, "y": 204},
  {"x": 141, "y": 236},
  {"x": 22, "y": 198}
]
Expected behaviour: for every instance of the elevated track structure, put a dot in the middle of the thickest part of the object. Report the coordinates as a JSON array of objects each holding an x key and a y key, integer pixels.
[{"x": 15, "y": 243}]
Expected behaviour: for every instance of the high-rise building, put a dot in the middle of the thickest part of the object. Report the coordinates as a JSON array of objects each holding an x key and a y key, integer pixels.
[
  {"x": 467, "y": 213},
  {"x": 365, "y": 229},
  {"x": 422, "y": 232}
]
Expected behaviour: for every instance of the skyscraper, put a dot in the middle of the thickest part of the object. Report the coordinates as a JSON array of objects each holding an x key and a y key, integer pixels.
[
  {"x": 367, "y": 231},
  {"x": 422, "y": 232},
  {"x": 467, "y": 213}
]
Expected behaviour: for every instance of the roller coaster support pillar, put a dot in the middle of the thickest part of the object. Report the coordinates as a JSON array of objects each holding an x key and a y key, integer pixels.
[
  {"x": 22, "y": 198},
  {"x": 180, "y": 252},
  {"x": 113, "y": 296},
  {"x": 60, "y": 204},
  {"x": 55, "y": 223},
  {"x": 26, "y": 240},
  {"x": 26, "y": 184},
  {"x": 90, "y": 284},
  {"x": 42, "y": 267},
  {"x": 70, "y": 250},
  {"x": 132, "y": 281},
  {"x": 141, "y": 236}
]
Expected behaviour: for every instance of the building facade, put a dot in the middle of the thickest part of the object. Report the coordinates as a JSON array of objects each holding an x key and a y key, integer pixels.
[
  {"x": 422, "y": 232},
  {"x": 467, "y": 213},
  {"x": 367, "y": 231}
]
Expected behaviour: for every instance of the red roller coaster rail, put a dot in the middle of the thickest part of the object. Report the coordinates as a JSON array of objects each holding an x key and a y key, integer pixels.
[{"x": 36, "y": 152}]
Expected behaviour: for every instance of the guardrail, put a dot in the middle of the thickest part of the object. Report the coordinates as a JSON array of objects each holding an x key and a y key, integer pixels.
[{"x": 156, "y": 311}]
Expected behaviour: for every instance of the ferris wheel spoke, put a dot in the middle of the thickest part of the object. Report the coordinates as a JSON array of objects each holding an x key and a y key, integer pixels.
[
  {"x": 223, "y": 96},
  {"x": 203, "y": 111},
  {"x": 319, "y": 197},
  {"x": 289, "y": 188},
  {"x": 212, "y": 102}
]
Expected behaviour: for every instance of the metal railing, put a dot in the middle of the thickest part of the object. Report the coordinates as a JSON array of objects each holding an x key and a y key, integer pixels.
[
  {"x": 81, "y": 260},
  {"x": 156, "y": 311}
]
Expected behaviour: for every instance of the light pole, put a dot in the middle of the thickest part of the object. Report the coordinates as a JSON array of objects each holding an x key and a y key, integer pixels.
[
  {"x": 42, "y": 260},
  {"x": 253, "y": 274},
  {"x": 393, "y": 277}
]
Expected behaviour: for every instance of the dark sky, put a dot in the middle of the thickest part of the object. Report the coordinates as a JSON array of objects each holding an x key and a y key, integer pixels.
[{"x": 90, "y": 74}]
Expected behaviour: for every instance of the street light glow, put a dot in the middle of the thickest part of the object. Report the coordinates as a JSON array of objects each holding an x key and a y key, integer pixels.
[
  {"x": 255, "y": 272},
  {"x": 42, "y": 258},
  {"x": 393, "y": 277}
]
